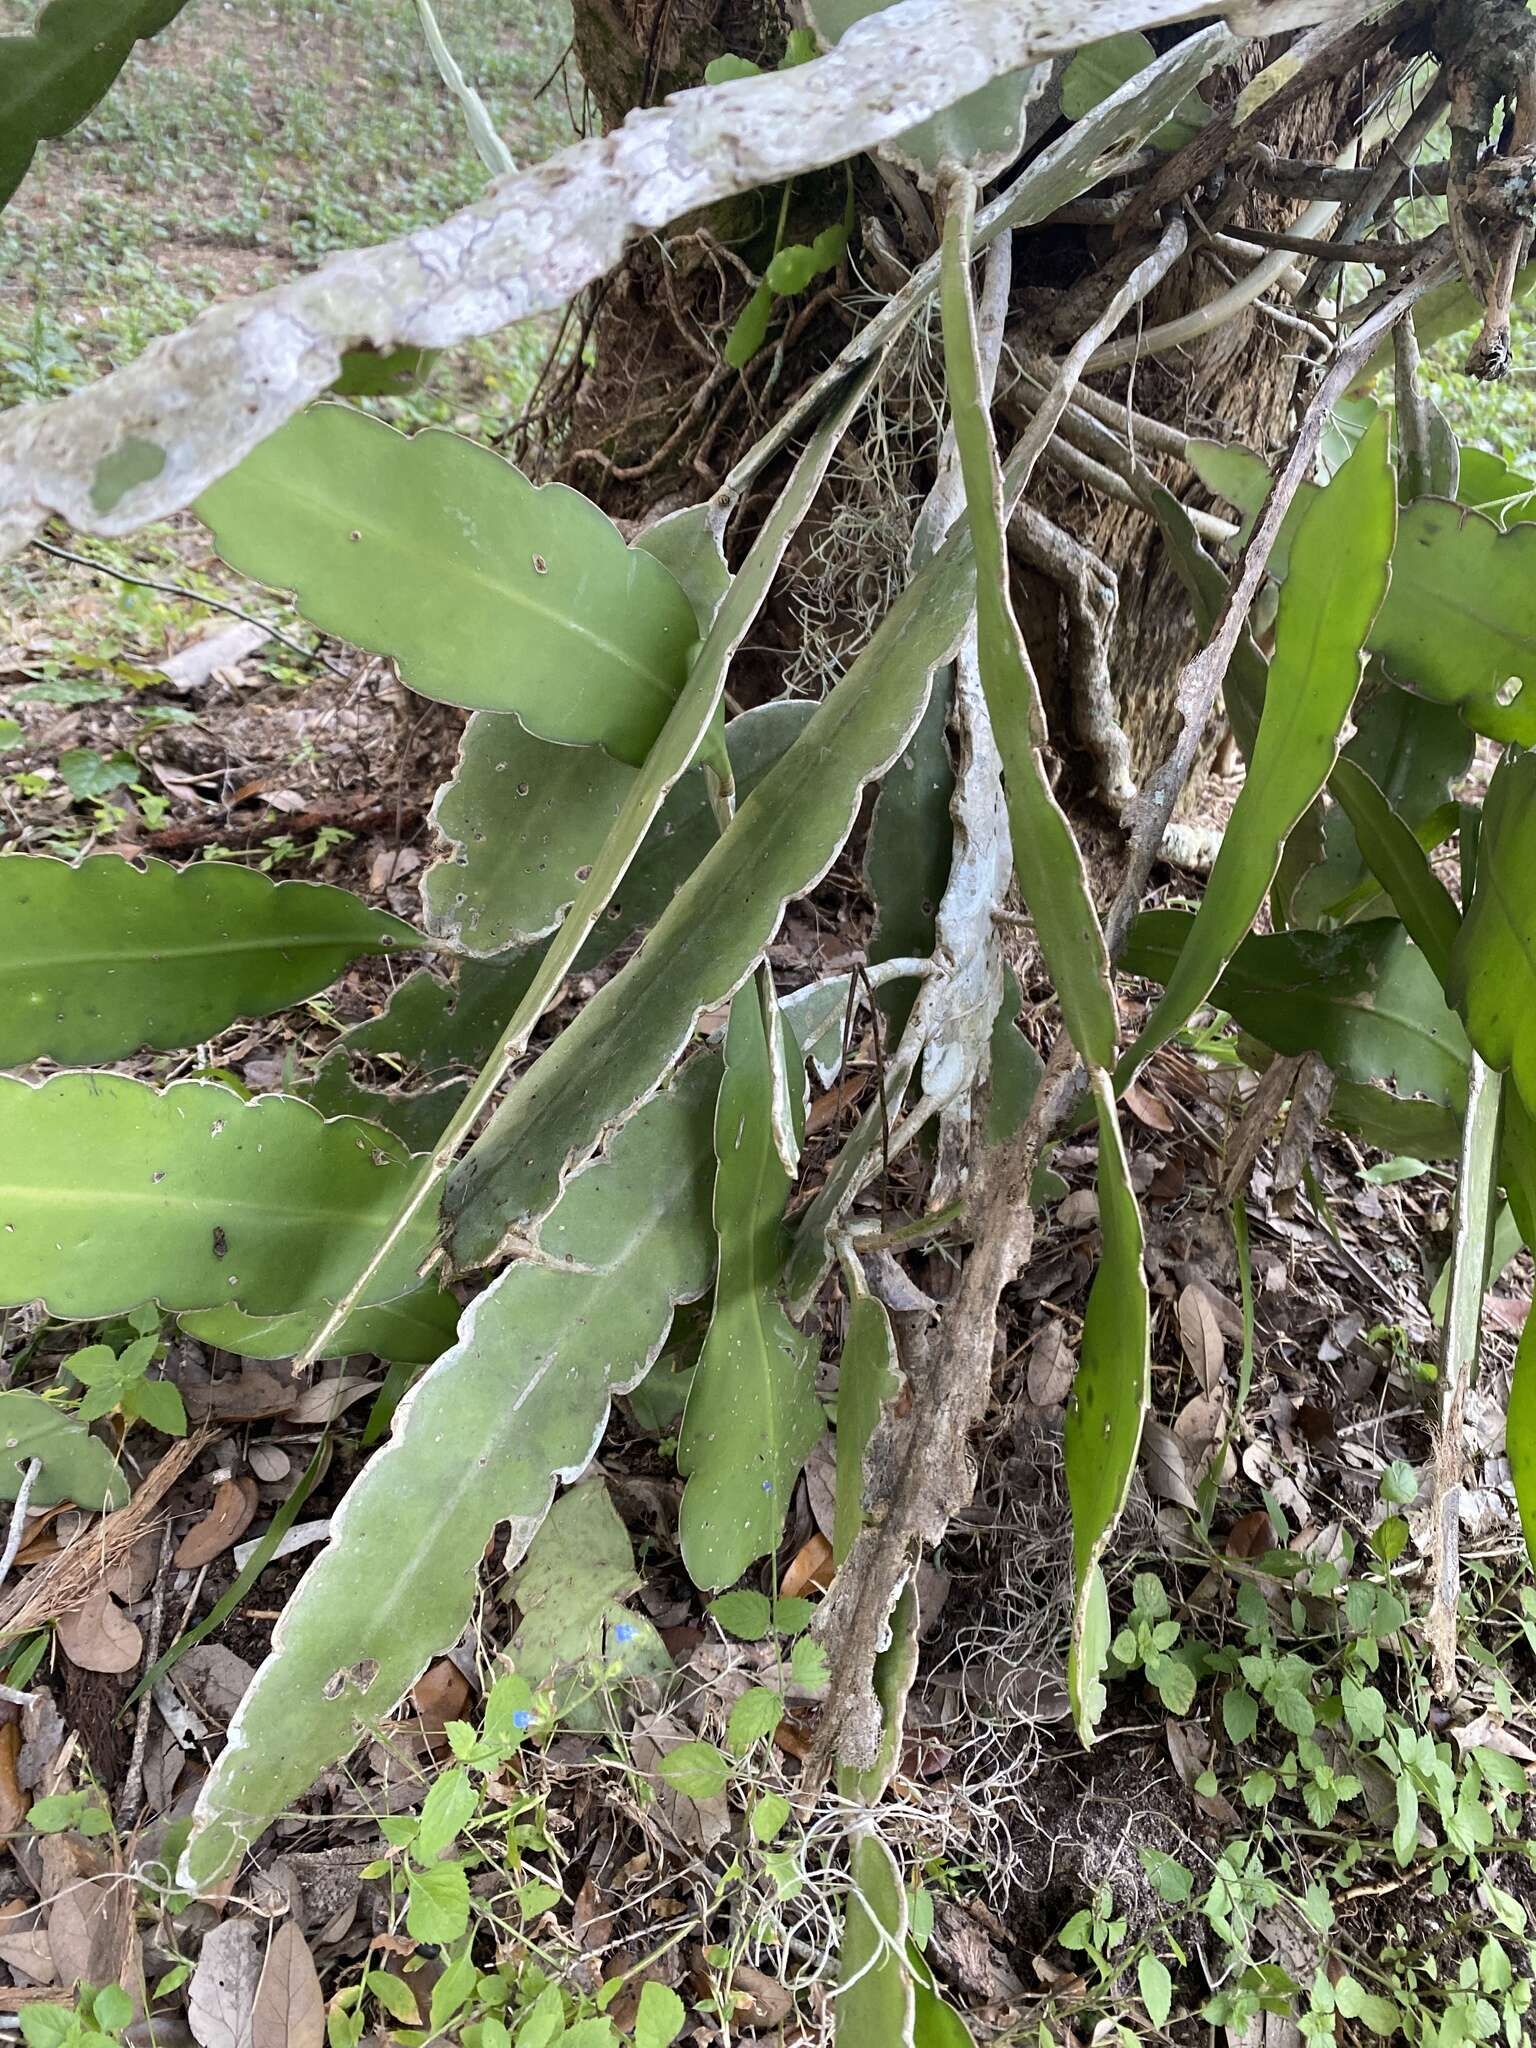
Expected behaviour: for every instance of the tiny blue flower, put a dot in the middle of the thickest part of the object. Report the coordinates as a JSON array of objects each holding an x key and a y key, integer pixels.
[
  {"x": 625, "y": 1632},
  {"x": 522, "y": 1718},
  {"x": 767, "y": 1486}
]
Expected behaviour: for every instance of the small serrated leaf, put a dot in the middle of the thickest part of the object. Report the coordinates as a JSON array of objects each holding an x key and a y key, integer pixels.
[
  {"x": 1156, "y": 1987},
  {"x": 756, "y": 1714},
  {"x": 696, "y": 1769}
]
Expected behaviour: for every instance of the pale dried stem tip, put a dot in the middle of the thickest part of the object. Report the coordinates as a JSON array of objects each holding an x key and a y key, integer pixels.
[{"x": 19, "y": 1517}]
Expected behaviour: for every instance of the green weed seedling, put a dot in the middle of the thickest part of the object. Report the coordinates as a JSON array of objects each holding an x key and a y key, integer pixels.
[
  {"x": 1322, "y": 1710},
  {"x": 118, "y": 1383},
  {"x": 95, "y": 2020},
  {"x": 1147, "y": 1643}
]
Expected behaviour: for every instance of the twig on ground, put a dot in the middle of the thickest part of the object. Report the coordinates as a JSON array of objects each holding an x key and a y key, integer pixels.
[
  {"x": 1310, "y": 1098},
  {"x": 1248, "y": 1140}
]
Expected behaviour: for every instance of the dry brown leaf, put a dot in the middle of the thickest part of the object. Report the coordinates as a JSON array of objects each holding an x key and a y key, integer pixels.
[
  {"x": 1200, "y": 1334},
  {"x": 251, "y": 1397},
  {"x": 1148, "y": 1109},
  {"x": 30, "y": 1955},
  {"x": 134, "y": 1574},
  {"x": 221, "y": 2003},
  {"x": 810, "y": 1566},
  {"x": 821, "y": 1484},
  {"x": 1049, "y": 1376},
  {"x": 591, "y": 1916},
  {"x": 270, "y": 1462},
  {"x": 700, "y": 1823},
  {"x": 234, "y": 1505},
  {"x": 213, "y": 1679},
  {"x": 329, "y": 1398},
  {"x": 99, "y": 1636},
  {"x": 90, "y": 1930},
  {"x": 1510, "y": 1312},
  {"x": 1162, "y": 1458},
  {"x": 768, "y": 2004},
  {"x": 440, "y": 1695},
  {"x": 1488, "y": 1732},
  {"x": 1189, "y": 1748},
  {"x": 290, "y": 2007},
  {"x": 1078, "y": 1210},
  {"x": 14, "y": 1801},
  {"x": 1251, "y": 1535},
  {"x": 1200, "y": 1426}
]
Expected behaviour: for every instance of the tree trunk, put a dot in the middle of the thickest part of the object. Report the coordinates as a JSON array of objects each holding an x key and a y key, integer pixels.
[{"x": 655, "y": 418}]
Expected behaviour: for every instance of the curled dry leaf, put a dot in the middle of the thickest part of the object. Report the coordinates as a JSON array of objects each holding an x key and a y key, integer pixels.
[
  {"x": 225, "y": 1523},
  {"x": 14, "y": 1799},
  {"x": 99, "y": 1636},
  {"x": 1200, "y": 1334},
  {"x": 1200, "y": 1426},
  {"x": 811, "y": 1566},
  {"x": 441, "y": 1694},
  {"x": 1078, "y": 1210},
  {"x": 821, "y": 1485},
  {"x": 1488, "y": 1732},
  {"x": 765, "y": 2002},
  {"x": 1162, "y": 1458},
  {"x": 1148, "y": 1108},
  {"x": 1049, "y": 1377},
  {"x": 1251, "y": 1535},
  {"x": 327, "y": 1399}
]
